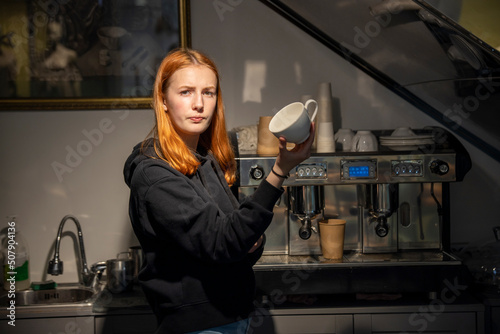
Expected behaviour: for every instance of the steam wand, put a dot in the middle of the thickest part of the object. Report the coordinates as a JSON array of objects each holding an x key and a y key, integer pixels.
[{"x": 440, "y": 215}]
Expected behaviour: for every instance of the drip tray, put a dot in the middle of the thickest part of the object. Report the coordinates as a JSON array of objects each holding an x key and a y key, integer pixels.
[
  {"x": 352, "y": 259},
  {"x": 409, "y": 271}
]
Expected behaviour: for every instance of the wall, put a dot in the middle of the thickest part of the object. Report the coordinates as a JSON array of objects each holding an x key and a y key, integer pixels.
[
  {"x": 253, "y": 47},
  {"x": 59, "y": 163}
]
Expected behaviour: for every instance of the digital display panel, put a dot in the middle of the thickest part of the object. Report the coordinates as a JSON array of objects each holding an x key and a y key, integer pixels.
[{"x": 359, "y": 171}]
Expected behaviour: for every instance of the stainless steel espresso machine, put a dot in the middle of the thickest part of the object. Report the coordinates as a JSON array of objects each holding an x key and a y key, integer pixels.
[{"x": 396, "y": 207}]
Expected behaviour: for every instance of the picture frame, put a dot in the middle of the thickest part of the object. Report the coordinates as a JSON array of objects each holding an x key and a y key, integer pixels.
[{"x": 86, "y": 54}]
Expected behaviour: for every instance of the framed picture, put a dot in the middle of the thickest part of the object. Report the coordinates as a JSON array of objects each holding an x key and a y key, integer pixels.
[{"x": 86, "y": 54}]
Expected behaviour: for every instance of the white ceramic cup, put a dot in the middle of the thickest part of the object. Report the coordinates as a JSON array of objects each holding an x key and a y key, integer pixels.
[
  {"x": 293, "y": 122},
  {"x": 364, "y": 141},
  {"x": 343, "y": 138},
  {"x": 403, "y": 132}
]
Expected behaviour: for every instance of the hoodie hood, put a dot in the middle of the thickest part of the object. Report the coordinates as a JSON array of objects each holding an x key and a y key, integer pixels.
[
  {"x": 138, "y": 155},
  {"x": 146, "y": 151},
  {"x": 209, "y": 177}
]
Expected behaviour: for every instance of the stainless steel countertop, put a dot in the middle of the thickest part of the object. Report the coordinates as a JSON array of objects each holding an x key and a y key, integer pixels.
[
  {"x": 101, "y": 303},
  {"x": 355, "y": 259}
]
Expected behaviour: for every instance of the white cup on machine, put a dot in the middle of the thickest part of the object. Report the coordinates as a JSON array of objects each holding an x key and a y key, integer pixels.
[
  {"x": 343, "y": 138},
  {"x": 293, "y": 122},
  {"x": 364, "y": 141},
  {"x": 403, "y": 131}
]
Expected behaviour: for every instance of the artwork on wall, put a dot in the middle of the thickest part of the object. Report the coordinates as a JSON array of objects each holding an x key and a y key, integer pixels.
[{"x": 86, "y": 54}]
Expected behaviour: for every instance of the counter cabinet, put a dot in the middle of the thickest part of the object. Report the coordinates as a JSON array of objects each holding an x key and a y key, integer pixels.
[
  {"x": 459, "y": 323},
  {"x": 78, "y": 324},
  {"x": 372, "y": 317},
  {"x": 125, "y": 324},
  {"x": 329, "y": 317}
]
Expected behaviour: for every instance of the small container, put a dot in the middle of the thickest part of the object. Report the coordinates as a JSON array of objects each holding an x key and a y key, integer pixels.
[
  {"x": 137, "y": 256},
  {"x": 15, "y": 264},
  {"x": 332, "y": 233},
  {"x": 120, "y": 274}
]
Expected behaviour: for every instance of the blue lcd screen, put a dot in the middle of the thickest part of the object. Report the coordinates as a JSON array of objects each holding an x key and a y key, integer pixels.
[{"x": 359, "y": 171}]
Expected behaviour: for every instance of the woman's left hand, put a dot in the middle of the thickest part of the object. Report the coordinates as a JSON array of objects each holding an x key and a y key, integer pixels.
[{"x": 256, "y": 245}]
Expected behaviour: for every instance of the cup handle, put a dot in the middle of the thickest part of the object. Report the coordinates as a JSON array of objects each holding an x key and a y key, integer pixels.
[{"x": 315, "y": 110}]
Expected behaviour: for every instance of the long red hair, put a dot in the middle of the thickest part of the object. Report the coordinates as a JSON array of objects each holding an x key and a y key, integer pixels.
[{"x": 168, "y": 144}]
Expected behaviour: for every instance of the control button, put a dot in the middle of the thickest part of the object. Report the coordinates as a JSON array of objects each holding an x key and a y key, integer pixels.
[
  {"x": 256, "y": 172},
  {"x": 439, "y": 167}
]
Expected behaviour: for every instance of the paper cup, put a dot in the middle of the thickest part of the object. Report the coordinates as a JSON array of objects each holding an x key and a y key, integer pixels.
[
  {"x": 267, "y": 143},
  {"x": 331, "y": 233}
]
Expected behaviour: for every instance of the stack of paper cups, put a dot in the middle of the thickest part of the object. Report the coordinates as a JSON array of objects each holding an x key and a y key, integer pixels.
[
  {"x": 325, "y": 138},
  {"x": 267, "y": 143}
]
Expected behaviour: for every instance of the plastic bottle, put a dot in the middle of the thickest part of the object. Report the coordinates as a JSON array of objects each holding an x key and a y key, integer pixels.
[{"x": 16, "y": 273}]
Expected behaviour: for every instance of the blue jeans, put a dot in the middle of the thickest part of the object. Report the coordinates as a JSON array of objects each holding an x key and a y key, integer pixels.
[{"x": 240, "y": 327}]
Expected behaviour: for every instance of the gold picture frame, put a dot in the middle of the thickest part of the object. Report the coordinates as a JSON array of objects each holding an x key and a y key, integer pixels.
[{"x": 90, "y": 55}]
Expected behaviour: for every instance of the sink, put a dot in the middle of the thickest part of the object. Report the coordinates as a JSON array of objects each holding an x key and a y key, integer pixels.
[{"x": 61, "y": 295}]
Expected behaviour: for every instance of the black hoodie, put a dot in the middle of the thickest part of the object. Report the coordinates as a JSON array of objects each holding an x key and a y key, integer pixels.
[{"x": 196, "y": 237}]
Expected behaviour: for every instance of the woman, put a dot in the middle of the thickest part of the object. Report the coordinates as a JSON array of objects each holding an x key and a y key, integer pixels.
[{"x": 200, "y": 243}]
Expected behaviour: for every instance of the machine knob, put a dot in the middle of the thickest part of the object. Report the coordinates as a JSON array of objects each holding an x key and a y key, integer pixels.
[
  {"x": 439, "y": 167},
  {"x": 256, "y": 172}
]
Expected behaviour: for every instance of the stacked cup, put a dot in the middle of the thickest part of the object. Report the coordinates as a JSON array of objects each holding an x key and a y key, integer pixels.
[
  {"x": 364, "y": 141},
  {"x": 343, "y": 138},
  {"x": 267, "y": 143},
  {"x": 325, "y": 138}
]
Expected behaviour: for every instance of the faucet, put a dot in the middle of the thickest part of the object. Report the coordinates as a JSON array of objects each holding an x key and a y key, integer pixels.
[{"x": 56, "y": 265}]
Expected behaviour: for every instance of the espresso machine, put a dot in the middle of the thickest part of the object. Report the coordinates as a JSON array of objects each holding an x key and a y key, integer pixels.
[{"x": 395, "y": 203}]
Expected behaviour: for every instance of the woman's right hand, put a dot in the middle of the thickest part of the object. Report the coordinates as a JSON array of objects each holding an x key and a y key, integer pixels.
[{"x": 288, "y": 159}]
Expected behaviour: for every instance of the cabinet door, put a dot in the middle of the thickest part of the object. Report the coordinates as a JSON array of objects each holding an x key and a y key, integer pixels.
[
  {"x": 436, "y": 323},
  {"x": 302, "y": 324},
  {"x": 495, "y": 320},
  {"x": 73, "y": 325},
  {"x": 125, "y": 324}
]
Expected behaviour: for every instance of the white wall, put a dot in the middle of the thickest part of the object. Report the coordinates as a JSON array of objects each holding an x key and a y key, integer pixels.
[
  {"x": 252, "y": 32},
  {"x": 249, "y": 35},
  {"x": 87, "y": 183}
]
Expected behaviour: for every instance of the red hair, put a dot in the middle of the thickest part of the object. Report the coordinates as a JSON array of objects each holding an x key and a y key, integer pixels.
[{"x": 168, "y": 144}]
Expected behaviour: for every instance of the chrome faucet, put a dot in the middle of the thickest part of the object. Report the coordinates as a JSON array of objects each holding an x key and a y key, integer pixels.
[{"x": 56, "y": 265}]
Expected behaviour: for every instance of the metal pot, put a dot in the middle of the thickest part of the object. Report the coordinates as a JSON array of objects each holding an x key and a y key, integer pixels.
[
  {"x": 120, "y": 274},
  {"x": 137, "y": 255}
]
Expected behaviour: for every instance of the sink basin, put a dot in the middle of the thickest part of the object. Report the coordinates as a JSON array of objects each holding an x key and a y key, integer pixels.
[{"x": 60, "y": 295}]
